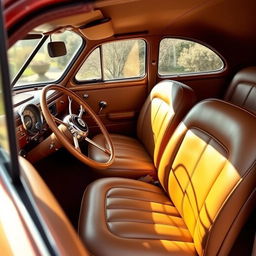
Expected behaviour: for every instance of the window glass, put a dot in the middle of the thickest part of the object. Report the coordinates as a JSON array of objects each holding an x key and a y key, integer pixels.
[
  {"x": 42, "y": 68},
  {"x": 22, "y": 49},
  {"x": 124, "y": 59},
  {"x": 91, "y": 69},
  {"x": 177, "y": 56},
  {"x": 120, "y": 60}
]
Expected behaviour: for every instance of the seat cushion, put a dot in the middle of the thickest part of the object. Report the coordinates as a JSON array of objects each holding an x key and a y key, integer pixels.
[
  {"x": 129, "y": 217},
  {"x": 131, "y": 158}
]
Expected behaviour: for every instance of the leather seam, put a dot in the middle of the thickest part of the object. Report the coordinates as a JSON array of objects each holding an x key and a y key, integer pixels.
[
  {"x": 133, "y": 188},
  {"x": 126, "y": 208},
  {"x": 198, "y": 217},
  {"x": 245, "y": 99},
  {"x": 141, "y": 210},
  {"x": 161, "y": 126},
  {"x": 149, "y": 223},
  {"x": 135, "y": 199},
  {"x": 236, "y": 85},
  {"x": 212, "y": 137},
  {"x": 169, "y": 166},
  {"x": 231, "y": 104},
  {"x": 185, "y": 195}
]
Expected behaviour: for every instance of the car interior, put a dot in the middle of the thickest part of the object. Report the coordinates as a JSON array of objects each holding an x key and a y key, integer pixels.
[{"x": 135, "y": 123}]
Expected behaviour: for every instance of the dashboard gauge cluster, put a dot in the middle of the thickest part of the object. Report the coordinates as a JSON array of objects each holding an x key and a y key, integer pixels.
[{"x": 32, "y": 120}]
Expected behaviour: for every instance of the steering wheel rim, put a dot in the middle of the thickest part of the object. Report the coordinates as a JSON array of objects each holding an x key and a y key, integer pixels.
[{"x": 51, "y": 121}]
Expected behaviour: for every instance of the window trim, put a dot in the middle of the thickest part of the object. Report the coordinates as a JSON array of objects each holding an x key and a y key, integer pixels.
[
  {"x": 93, "y": 81},
  {"x": 70, "y": 64},
  {"x": 201, "y": 73}
]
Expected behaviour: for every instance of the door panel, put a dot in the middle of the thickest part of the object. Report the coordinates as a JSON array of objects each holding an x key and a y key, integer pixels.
[{"x": 124, "y": 101}]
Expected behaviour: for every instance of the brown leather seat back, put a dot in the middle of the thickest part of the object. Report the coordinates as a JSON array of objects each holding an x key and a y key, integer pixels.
[
  {"x": 208, "y": 170},
  {"x": 164, "y": 108},
  {"x": 242, "y": 90}
]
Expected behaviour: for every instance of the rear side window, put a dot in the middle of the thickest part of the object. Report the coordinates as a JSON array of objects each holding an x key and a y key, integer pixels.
[
  {"x": 115, "y": 61},
  {"x": 178, "y": 56}
]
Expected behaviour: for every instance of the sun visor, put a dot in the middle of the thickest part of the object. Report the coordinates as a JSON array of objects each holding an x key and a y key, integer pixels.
[{"x": 98, "y": 29}]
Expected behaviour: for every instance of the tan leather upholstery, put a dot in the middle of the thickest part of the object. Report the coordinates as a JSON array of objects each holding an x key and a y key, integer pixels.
[
  {"x": 63, "y": 234},
  {"x": 129, "y": 217},
  {"x": 242, "y": 90},
  {"x": 208, "y": 174},
  {"x": 164, "y": 108},
  {"x": 130, "y": 157}
]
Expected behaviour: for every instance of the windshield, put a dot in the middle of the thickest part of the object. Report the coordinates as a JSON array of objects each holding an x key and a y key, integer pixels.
[{"x": 42, "y": 68}]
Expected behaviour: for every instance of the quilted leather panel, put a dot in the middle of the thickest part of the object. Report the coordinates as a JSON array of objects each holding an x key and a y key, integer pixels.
[{"x": 135, "y": 217}]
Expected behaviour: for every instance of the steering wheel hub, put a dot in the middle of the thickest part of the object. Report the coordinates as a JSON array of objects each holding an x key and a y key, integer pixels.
[{"x": 79, "y": 123}]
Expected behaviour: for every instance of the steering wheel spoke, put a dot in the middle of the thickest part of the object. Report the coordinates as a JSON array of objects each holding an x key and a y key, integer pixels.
[
  {"x": 73, "y": 127},
  {"x": 58, "y": 121},
  {"x": 76, "y": 143},
  {"x": 105, "y": 150},
  {"x": 81, "y": 111},
  {"x": 69, "y": 105}
]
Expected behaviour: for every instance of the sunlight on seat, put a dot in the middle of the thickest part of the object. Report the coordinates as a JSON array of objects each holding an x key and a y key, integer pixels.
[{"x": 200, "y": 179}]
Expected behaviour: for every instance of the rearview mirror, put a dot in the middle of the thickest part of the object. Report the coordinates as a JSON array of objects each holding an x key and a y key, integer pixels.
[{"x": 56, "y": 49}]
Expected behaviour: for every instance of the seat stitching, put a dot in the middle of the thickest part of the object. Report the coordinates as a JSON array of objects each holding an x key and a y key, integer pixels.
[
  {"x": 189, "y": 179},
  {"x": 140, "y": 189},
  {"x": 144, "y": 200},
  {"x": 159, "y": 106},
  {"x": 161, "y": 125},
  {"x": 245, "y": 99},
  {"x": 142, "y": 210},
  {"x": 148, "y": 223},
  {"x": 211, "y": 136},
  {"x": 199, "y": 211}
]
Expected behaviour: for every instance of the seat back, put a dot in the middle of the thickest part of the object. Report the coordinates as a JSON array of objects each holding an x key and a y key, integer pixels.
[
  {"x": 164, "y": 108},
  {"x": 208, "y": 170},
  {"x": 242, "y": 89}
]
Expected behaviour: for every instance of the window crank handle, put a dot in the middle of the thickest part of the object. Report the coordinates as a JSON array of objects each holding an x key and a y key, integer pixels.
[{"x": 102, "y": 104}]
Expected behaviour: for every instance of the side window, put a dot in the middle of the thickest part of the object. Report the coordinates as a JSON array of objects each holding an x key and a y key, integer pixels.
[
  {"x": 178, "y": 56},
  {"x": 91, "y": 69},
  {"x": 114, "y": 61}
]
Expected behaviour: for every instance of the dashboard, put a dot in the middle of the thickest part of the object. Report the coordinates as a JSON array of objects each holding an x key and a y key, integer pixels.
[{"x": 31, "y": 128}]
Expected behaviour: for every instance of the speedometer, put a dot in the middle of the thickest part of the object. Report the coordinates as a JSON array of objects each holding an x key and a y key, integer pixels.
[{"x": 31, "y": 119}]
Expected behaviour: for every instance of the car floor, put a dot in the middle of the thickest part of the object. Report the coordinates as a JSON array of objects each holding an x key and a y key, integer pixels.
[{"x": 67, "y": 178}]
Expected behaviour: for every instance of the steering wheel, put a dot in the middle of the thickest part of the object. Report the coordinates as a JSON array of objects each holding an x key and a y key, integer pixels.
[{"x": 76, "y": 127}]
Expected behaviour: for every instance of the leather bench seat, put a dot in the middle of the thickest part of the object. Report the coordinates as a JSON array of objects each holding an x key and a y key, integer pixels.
[
  {"x": 208, "y": 177},
  {"x": 164, "y": 108}
]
